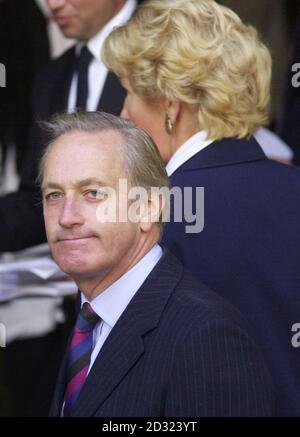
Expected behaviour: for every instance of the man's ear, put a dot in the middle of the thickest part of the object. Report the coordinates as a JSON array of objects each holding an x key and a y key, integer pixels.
[{"x": 151, "y": 209}]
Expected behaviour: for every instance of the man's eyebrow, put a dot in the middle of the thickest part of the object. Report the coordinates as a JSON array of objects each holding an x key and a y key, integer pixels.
[
  {"x": 77, "y": 184},
  {"x": 90, "y": 181}
]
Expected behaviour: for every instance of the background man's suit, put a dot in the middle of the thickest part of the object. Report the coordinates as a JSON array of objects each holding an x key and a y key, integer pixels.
[
  {"x": 177, "y": 350},
  {"x": 249, "y": 249}
]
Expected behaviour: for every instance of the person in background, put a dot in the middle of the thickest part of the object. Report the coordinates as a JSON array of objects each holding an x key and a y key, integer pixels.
[{"x": 198, "y": 80}]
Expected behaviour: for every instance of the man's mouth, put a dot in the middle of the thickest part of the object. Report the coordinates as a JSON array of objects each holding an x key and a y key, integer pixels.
[
  {"x": 61, "y": 20},
  {"x": 74, "y": 239}
]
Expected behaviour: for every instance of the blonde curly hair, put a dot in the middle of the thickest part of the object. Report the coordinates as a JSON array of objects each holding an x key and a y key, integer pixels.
[{"x": 199, "y": 53}]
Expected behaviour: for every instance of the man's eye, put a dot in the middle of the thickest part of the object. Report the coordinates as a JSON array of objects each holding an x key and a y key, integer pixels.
[
  {"x": 53, "y": 196},
  {"x": 96, "y": 194}
]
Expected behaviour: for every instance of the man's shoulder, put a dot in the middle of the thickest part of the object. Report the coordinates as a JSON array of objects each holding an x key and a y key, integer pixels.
[
  {"x": 176, "y": 299},
  {"x": 194, "y": 313},
  {"x": 191, "y": 300},
  {"x": 192, "y": 297}
]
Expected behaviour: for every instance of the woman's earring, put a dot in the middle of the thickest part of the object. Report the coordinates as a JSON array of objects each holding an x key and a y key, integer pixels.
[{"x": 169, "y": 125}]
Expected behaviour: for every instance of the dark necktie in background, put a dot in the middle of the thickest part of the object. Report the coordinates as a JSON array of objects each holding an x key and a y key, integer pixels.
[
  {"x": 83, "y": 62},
  {"x": 80, "y": 351}
]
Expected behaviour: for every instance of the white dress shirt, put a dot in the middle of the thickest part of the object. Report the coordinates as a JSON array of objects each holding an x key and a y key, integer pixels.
[
  {"x": 112, "y": 302},
  {"x": 190, "y": 148},
  {"x": 97, "y": 70}
]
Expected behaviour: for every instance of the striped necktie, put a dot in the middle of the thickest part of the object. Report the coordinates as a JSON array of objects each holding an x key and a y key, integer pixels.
[{"x": 80, "y": 350}]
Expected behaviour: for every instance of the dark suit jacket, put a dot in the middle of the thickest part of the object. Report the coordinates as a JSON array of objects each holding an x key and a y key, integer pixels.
[
  {"x": 249, "y": 250},
  {"x": 177, "y": 350},
  {"x": 21, "y": 217},
  {"x": 288, "y": 126}
]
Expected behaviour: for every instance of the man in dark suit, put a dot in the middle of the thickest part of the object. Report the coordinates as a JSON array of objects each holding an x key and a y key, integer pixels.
[
  {"x": 55, "y": 90},
  {"x": 149, "y": 340}
]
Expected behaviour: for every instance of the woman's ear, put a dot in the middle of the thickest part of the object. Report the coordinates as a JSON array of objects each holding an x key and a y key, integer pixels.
[
  {"x": 172, "y": 115},
  {"x": 173, "y": 110}
]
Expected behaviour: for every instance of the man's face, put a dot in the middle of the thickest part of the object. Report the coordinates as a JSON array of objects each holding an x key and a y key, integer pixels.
[
  {"x": 82, "y": 19},
  {"x": 78, "y": 168}
]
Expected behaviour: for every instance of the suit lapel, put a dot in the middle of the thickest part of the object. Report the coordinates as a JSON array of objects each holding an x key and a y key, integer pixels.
[
  {"x": 125, "y": 345},
  {"x": 57, "y": 401},
  {"x": 59, "y": 102},
  {"x": 113, "y": 95}
]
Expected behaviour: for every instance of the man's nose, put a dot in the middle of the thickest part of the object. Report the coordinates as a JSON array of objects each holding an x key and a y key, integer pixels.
[
  {"x": 70, "y": 215},
  {"x": 55, "y": 4}
]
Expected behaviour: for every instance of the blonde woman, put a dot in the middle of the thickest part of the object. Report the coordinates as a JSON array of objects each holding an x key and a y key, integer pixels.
[{"x": 198, "y": 81}]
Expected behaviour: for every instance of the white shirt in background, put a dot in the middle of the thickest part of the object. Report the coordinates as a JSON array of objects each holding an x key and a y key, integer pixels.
[{"x": 97, "y": 70}]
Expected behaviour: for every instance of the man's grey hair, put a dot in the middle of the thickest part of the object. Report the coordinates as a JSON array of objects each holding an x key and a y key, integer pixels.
[{"x": 141, "y": 158}]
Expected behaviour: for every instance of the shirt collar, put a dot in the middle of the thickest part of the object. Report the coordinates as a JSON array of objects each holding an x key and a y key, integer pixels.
[
  {"x": 190, "y": 148},
  {"x": 111, "y": 303},
  {"x": 95, "y": 43}
]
